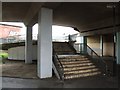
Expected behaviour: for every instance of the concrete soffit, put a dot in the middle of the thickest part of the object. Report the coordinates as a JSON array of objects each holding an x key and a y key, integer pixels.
[
  {"x": 102, "y": 27},
  {"x": 102, "y": 31},
  {"x": 32, "y": 13},
  {"x": 105, "y": 26}
]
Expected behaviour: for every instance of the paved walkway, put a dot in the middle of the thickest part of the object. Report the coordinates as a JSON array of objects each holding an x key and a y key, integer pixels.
[
  {"x": 19, "y": 69},
  {"x": 90, "y": 82}
]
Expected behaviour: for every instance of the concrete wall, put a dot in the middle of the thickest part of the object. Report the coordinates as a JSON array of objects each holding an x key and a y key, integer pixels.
[
  {"x": 18, "y": 53},
  {"x": 94, "y": 43},
  {"x": 108, "y": 44}
]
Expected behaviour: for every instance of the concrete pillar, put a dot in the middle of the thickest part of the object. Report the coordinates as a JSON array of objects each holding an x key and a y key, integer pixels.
[
  {"x": 118, "y": 47},
  {"x": 44, "y": 67},
  {"x": 28, "y": 45},
  {"x": 85, "y": 44},
  {"x": 114, "y": 46},
  {"x": 101, "y": 45}
]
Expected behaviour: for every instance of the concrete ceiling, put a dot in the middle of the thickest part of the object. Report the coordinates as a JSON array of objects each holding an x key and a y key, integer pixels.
[
  {"x": 14, "y": 11},
  {"x": 84, "y": 16}
]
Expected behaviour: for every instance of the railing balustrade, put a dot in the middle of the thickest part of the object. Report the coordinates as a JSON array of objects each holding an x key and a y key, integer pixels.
[
  {"x": 58, "y": 65},
  {"x": 85, "y": 49}
]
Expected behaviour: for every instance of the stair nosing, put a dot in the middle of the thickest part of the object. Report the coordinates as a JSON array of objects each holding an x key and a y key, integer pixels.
[
  {"x": 75, "y": 63},
  {"x": 72, "y": 58},
  {"x": 81, "y": 69},
  {"x": 82, "y": 72},
  {"x": 78, "y": 65},
  {"x": 69, "y": 77}
]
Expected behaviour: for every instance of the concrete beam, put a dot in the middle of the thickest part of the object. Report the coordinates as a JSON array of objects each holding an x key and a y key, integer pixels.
[
  {"x": 101, "y": 31},
  {"x": 33, "y": 10},
  {"x": 98, "y": 24}
]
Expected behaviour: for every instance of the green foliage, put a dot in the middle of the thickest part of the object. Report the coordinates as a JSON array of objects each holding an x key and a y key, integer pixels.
[{"x": 3, "y": 55}]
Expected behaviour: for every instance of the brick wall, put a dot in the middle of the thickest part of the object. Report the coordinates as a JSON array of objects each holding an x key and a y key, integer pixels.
[{"x": 5, "y": 30}]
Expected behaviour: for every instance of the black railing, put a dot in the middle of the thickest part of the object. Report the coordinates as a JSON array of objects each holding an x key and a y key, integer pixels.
[
  {"x": 72, "y": 47},
  {"x": 85, "y": 49},
  {"x": 58, "y": 65}
]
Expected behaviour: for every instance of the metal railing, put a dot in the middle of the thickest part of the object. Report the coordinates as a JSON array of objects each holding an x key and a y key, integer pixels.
[
  {"x": 85, "y": 49},
  {"x": 58, "y": 65}
]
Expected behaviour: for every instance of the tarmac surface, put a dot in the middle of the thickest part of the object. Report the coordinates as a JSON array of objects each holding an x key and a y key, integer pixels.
[{"x": 87, "y": 82}]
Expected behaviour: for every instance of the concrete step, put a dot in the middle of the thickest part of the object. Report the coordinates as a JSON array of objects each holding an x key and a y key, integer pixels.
[
  {"x": 63, "y": 52},
  {"x": 77, "y": 65},
  {"x": 71, "y": 56},
  {"x": 74, "y": 62},
  {"x": 81, "y": 75},
  {"x": 69, "y": 59},
  {"x": 81, "y": 71},
  {"x": 79, "y": 68},
  {"x": 63, "y": 48}
]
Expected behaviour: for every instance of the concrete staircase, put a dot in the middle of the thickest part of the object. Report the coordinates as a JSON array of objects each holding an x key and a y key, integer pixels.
[
  {"x": 63, "y": 48},
  {"x": 72, "y": 65},
  {"x": 76, "y": 66}
]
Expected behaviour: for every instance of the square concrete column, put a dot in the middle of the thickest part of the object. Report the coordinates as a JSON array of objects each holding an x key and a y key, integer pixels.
[
  {"x": 44, "y": 64},
  {"x": 101, "y": 45},
  {"x": 85, "y": 44},
  {"x": 118, "y": 47},
  {"x": 28, "y": 45}
]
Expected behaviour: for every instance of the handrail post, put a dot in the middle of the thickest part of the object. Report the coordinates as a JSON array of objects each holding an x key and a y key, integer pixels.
[
  {"x": 91, "y": 53},
  {"x": 80, "y": 48}
]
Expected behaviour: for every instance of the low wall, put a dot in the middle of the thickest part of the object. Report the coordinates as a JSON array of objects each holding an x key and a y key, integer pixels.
[{"x": 18, "y": 53}]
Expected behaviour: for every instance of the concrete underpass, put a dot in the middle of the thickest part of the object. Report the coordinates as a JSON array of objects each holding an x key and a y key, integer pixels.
[{"x": 98, "y": 25}]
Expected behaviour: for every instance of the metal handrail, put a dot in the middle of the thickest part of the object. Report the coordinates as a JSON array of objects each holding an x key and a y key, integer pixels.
[
  {"x": 58, "y": 60},
  {"x": 102, "y": 62},
  {"x": 96, "y": 54},
  {"x": 59, "y": 69}
]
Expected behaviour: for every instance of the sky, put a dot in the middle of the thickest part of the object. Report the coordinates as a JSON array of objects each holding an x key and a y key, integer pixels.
[{"x": 57, "y": 31}]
